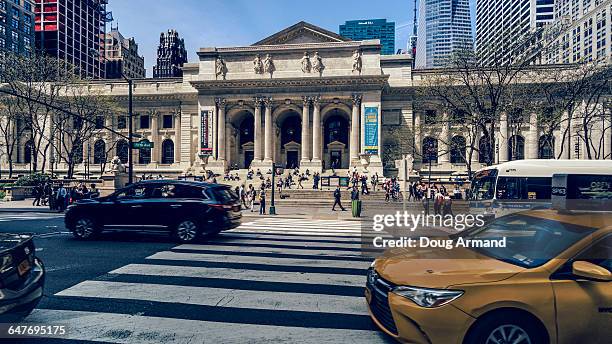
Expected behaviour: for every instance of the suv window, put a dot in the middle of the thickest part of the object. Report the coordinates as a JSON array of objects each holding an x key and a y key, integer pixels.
[
  {"x": 224, "y": 195},
  {"x": 135, "y": 192},
  {"x": 181, "y": 191}
]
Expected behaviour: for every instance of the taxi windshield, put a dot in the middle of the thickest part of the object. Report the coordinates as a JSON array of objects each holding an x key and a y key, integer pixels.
[
  {"x": 530, "y": 241},
  {"x": 483, "y": 185}
]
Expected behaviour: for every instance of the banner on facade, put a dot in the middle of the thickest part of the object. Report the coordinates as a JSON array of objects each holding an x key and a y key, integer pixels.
[
  {"x": 206, "y": 132},
  {"x": 371, "y": 130}
]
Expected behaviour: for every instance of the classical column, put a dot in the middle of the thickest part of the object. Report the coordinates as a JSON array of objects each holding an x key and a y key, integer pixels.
[
  {"x": 268, "y": 129},
  {"x": 533, "y": 140},
  {"x": 155, "y": 151},
  {"x": 177, "y": 137},
  {"x": 305, "y": 129},
  {"x": 258, "y": 134},
  {"x": 221, "y": 141},
  {"x": 444, "y": 140},
  {"x": 418, "y": 139},
  {"x": 355, "y": 128},
  {"x": 316, "y": 129},
  {"x": 502, "y": 139}
]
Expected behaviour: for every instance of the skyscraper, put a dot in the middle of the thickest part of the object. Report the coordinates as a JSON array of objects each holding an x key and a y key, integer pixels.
[
  {"x": 171, "y": 55},
  {"x": 16, "y": 26},
  {"x": 359, "y": 30},
  {"x": 73, "y": 31},
  {"x": 507, "y": 29},
  {"x": 121, "y": 56},
  {"x": 581, "y": 33},
  {"x": 444, "y": 29}
]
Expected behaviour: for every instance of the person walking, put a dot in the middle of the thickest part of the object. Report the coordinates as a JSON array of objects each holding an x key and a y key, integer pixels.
[
  {"x": 61, "y": 197},
  {"x": 338, "y": 199},
  {"x": 262, "y": 201},
  {"x": 252, "y": 197},
  {"x": 300, "y": 179},
  {"x": 447, "y": 206},
  {"x": 438, "y": 201},
  {"x": 37, "y": 193}
]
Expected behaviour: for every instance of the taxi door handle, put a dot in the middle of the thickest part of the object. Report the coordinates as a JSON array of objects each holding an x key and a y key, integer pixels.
[
  {"x": 175, "y": 206},
  {"x": 136, "y": 206}
]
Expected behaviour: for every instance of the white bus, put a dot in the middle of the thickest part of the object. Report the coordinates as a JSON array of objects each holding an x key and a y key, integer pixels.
[{"x": 524, "y": 184}]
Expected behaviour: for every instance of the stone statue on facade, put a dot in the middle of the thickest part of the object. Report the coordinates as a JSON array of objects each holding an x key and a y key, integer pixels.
[
  {"x": 117, "y": 165},
  {"x": 220, "y": 68},
  {"x": 357, "y": 61},
  {"x": 269, "y": 65},
  {"x": 258, "y": 65},
  {"x": 306, "y": 64},
  {"x": 317, "y": 65}
]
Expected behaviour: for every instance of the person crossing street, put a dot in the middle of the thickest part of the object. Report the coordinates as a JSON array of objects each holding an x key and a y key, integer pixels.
[{"x": 338, "y": 199}]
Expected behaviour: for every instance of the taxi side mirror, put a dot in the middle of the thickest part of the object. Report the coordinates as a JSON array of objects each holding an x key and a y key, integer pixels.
[{"x": 591, "y": 271}]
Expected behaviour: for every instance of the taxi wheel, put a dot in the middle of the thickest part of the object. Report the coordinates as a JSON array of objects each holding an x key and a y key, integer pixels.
[
  {"x": 506, "y": 330},
  {"x": 186, "y": 231},
  {"x": 85, "y": 228}
]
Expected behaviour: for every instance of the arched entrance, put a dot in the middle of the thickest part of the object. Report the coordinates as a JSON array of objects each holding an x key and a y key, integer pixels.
[
  {"x": 290, "y": 138},
  {"x": 336, "y": 129},
  {"x": 241, "y": 139}
]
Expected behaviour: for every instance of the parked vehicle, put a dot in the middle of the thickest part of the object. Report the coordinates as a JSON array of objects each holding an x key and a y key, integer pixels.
[
  {"x": 22, "y": 277},
  {"x": 185, "y": 209}
]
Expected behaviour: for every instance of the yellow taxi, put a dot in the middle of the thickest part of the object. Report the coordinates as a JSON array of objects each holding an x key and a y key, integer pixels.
[{"x": 551, "y": 283}]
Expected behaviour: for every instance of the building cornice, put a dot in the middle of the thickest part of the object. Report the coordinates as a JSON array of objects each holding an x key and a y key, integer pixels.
[
  {"x": 339, "y": 83},
  {"x": 352, "y": 45}
]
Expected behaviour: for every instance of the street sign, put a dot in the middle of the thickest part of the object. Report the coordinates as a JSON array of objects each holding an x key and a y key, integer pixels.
[{"x": 142, "y": 144}]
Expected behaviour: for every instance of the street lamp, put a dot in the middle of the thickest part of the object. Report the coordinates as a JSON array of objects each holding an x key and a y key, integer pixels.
[
  {"x": 130, "y": 131},
  {"x": 272, "y": 206},
  {"x": 431, "y": 150}
]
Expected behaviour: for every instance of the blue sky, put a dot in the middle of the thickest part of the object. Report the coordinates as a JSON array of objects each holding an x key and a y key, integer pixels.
[{"x": 206, "y": 23}]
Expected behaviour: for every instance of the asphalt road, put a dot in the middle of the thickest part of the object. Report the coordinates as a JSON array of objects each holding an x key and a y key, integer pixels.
[{"x": 271, "y": 280}]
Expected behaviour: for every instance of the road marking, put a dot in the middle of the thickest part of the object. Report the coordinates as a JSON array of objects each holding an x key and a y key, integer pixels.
[
  {"x": 222, "y": 258},
  {"x": 138, "y": 329},
  {"x": 240, "y": 274},
  {"x": 219, "y": 297}
]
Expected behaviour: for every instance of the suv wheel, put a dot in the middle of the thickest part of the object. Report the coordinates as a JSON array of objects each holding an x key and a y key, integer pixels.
[
  {"x": 84, "y": 228},
  {"x": 498, "y": 330},
  {"x": 186, "y": 231}
]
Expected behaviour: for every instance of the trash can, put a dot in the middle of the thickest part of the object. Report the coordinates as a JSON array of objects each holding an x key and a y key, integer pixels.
[{"x": 356, "y": 208}]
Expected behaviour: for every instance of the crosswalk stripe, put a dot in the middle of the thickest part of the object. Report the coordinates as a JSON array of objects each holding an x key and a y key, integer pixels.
[
  {"x": 204, "y": 257},
  {"x": 241, "y": 274},
  {"x": 280, "y": 238},
  {"x": 232, "y": 240},
  {"x": 301, "y": 228},
  {"x": 243, "y": 248},
  {"x": 137, "y": 329},
  {"x": 218, "y": 297}
]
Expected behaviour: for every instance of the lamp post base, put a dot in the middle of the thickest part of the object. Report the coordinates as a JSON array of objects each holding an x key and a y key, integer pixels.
[{"x": 272, "y": 210}]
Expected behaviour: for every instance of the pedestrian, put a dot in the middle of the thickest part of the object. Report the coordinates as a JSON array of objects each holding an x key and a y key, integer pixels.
[
  {"x": 425, "y": 202},
  {"x": 61, "y": 197},
  {"x": 300, "y": 179},
  {"x": 262, "y": 201},
  {"x": 241, "y": 196},
  {"x": 447, "y": 205},
  {"x": 93, "y": 191},
  {"x": 37, "y": 193},
  {"x": 438, "y": 201},
  {"x": 355, "y": 194},
  {"x": 338, "y": 199},
  {"x": 252, "y": 197}
]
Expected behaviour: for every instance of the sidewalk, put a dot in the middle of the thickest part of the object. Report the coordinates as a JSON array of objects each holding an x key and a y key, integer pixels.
[{"x": 24, "y": 206}]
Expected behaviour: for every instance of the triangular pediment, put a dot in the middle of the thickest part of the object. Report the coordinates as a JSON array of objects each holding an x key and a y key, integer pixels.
[{"x": 301, "y": 33}]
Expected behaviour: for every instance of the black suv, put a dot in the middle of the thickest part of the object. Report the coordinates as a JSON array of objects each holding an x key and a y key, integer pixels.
[
  {"x": 186, "y": 209},
  {"x": 22, "y": 277}
]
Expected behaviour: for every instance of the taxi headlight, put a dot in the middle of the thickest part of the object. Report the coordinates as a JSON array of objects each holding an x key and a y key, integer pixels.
[
  {"x": 428, "y": 298},
  {"x": 5, "y": 262}
]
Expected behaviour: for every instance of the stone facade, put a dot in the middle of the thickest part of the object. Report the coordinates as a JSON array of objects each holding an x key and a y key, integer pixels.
[{"x": 313, "y": 101}]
